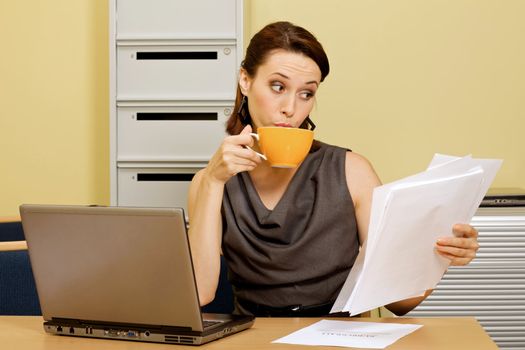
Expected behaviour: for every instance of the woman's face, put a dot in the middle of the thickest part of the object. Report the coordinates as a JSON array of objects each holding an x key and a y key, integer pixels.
[{"x": 282, "y": 93}]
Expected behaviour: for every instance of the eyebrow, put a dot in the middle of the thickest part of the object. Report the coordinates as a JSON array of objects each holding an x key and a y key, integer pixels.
[{"x": 287, "y": 77}]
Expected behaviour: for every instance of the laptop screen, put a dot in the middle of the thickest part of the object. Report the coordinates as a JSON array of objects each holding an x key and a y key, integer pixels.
[{"x": 112, "y": 264}]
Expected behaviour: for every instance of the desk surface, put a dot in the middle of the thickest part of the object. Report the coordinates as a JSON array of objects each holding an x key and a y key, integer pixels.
[
  {"x": 26, "y": 332},
  {"x": 4, "y": 219}
]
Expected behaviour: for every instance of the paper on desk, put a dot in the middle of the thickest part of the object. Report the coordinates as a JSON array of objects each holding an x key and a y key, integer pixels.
[
  {"x": 369, "y": 335},
  {"x": 398, "y": 260}
]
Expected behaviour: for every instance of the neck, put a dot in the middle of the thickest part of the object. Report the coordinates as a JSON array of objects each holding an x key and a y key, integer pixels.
[{"x": 265, "y": 172}]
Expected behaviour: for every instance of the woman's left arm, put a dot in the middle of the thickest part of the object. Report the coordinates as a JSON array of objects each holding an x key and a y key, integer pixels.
[{"x": 460, "y": 249}]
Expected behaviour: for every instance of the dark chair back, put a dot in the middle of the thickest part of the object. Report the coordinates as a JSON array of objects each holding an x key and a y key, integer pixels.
[
  {"x": 18, "y": 294},
  {"x": 223, "y": 302}
]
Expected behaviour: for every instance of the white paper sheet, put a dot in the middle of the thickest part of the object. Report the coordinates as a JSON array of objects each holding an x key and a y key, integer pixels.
[
  {"x": 398, "y": 260},
  {"x": 369, "y": 335}
]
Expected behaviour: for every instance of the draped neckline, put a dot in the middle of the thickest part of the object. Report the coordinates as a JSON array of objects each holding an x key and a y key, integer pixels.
[
  {"x": 255, "y": 193},
  {"x": 277, "y": 215}
]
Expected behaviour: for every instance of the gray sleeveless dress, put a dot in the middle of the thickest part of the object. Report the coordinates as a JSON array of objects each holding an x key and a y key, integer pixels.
[{"x": 301, "y": 251}]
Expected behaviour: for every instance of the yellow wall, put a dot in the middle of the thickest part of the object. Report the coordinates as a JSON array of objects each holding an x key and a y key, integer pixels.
[
  {"x": 409, "y": 78},
  {"x": 54, "y": 142}
]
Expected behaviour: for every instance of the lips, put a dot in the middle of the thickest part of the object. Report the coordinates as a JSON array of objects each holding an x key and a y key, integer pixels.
[{"x": 283, "y": 125}]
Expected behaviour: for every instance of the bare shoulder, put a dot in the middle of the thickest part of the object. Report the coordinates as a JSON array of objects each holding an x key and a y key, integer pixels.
[
  {"x": 361, "y": 177},
  {"x": 358, "y": 166}
]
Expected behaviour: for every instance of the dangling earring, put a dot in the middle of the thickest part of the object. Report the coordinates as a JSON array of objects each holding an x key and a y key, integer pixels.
[
  {"x": 242, "y": 112},
  {"x": 308, "y": 124}
]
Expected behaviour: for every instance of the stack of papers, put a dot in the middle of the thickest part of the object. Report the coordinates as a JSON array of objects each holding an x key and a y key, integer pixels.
[{"x": 399, "y": 261}]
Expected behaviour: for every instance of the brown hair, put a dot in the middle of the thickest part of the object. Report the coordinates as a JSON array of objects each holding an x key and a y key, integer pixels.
[{"x": 276, "y": 36}]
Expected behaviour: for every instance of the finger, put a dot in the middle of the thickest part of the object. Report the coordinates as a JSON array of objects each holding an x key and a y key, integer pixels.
[
  {"x": 455, "y": 261},
  {"x": 464, "y": 230},
  {"x": 242, "y": 162},
  {"x": 237, "y": 165},
  {"x": 240, "y": 140},
  {"x": 245, "y": 153},
  {"x": 246, "y": 130},
  {"x": 457, "y": 252},
  {"x": 466, "y": 243},
  {"x": 241, "y": 167}
]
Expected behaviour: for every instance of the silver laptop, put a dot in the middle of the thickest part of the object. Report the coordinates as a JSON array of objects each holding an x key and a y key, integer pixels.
[{"x": 119, "y": 273}]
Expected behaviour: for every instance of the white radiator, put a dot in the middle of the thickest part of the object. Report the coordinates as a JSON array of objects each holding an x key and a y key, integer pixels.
[{"x": 492, "y": 287}]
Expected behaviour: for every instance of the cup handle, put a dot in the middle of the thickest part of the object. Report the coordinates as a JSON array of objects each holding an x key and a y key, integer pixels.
[{"x": 255, "y": 136}]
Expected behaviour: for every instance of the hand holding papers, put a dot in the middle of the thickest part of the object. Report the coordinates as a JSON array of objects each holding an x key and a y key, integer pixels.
[{"x": 398, "y": 260}]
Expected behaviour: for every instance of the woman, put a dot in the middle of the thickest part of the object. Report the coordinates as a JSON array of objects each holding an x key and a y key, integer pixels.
[{"x": 290, "y": 236}]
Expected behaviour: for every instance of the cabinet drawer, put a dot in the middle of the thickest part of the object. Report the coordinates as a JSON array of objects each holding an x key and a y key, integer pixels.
[
  {"x": 170, "y": 133},
  {"x": 176, "y": 72},
  {"x": 170, "y": 18},
  {"x": 166, "y": 187}
]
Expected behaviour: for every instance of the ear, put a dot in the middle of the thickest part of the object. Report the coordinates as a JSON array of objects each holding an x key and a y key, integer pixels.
[{"x": 244, "y": 81}]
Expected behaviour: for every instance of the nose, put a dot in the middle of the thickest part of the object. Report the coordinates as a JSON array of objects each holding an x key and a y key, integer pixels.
[{"x": 288, "y": 106}]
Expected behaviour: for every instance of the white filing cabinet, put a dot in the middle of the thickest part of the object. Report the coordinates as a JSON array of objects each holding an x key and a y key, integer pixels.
[
  {"x": 492, "y": 287},
  {"x": 173, "y": 75}
]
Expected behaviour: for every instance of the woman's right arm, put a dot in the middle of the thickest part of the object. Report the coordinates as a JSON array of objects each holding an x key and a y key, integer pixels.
[{"x": 204, "y": 208}]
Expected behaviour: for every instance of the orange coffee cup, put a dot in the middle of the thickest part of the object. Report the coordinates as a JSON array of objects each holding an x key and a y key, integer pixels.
[{"x": 284, "y": 147}]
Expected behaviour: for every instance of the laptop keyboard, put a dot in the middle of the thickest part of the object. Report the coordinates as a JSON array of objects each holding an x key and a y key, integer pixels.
[{"x": 208, "y": 323}]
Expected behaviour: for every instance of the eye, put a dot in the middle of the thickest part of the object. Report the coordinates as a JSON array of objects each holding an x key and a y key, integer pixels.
[
  {"x": 306, "y": 95},
  {"x": 276, "y": 86}
]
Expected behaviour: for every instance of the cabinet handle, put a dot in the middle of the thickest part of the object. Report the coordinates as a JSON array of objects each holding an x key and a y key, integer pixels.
[
  {"x": 164, "y": 177},
  {"x": 177, "y": 55},
  {"x": 177, "y": 116}
]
